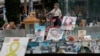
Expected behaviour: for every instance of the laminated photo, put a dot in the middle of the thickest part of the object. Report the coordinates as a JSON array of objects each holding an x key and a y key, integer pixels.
[
  {"x": 77, "y": 46},
  {"x": 36, "y": 50},
  {"x": 98, "y": 43},
  {"x": 93, "y": 43},
  {"x": 44, "y": 44},
  {"x": 44, "y": 47},
  {"x": 87, "y": 38},
  {"x": 32, "y": 47},
  {"x": 84, "y": 49},
  {"x": 70, "y": 48},
  {"x": 96, "y": 49},
  {"x": 32, "y": 44},
  {"x": 14, "y": 46},
  {"x": 68, "y": 23},
  {"x": 81, "y": 34},
  {"x": 61, "y": 44},
  {"x": 54, "y": 34},
  {"x": 39, "y": 32},
  {"x": 87, "y": 41},
  {"x": 53, "y": 47}
]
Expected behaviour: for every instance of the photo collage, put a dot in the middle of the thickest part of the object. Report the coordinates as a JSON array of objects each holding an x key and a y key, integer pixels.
[{"x": 57, "y": 40}]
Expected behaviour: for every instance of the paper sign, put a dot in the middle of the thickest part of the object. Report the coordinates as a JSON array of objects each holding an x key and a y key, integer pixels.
[
  {"x": 87, "y": 38},
  {"x": 96, "y": 49},
  {"x": 40, "y": 32},
  {"x": 81, "y": 34},
  {"x": 55, "y": 34},
  {"x": 14, "y": 46},
  {"x": 68, "y": 23}
]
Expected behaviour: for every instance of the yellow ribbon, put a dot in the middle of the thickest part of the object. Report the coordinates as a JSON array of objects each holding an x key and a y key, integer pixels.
[{"x": 12, "y": 52}]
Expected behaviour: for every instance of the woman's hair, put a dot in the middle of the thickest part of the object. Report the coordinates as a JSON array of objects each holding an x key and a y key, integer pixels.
[
  {"x": 69, "y": 23},
  {"x": 56, "y": 4}
]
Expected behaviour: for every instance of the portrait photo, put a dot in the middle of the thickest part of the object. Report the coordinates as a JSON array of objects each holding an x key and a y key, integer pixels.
[
  {"x": 68, "y": 23},
  {"x": 55, "y": 34},
  {"x": 39, "y": 32}
]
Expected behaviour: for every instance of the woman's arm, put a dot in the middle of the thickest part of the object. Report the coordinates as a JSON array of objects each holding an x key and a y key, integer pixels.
[
  {"x": 50, "y": 12},
  {"x": 60, "y": 13}
]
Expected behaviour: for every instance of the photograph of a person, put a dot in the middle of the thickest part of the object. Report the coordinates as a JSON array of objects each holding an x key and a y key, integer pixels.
[
  {"x": 39, "y": 32},
  {"x": 77, "y": 46},
  {"x": 31, "y": 46},
  {"x": 70, "y": 48},
  {"x": 96, "y": 49},
  {"x": 68, "y": 23},
  {"x": 81, "y": 34},
  {"x": 55, "y": 34},
  {"x": 44, "y": 47}
]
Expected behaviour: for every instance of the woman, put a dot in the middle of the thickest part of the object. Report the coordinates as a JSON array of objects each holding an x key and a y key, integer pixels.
[{"x": 56, "y": 13}]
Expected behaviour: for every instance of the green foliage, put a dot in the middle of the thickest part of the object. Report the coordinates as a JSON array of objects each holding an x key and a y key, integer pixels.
[{"x": 12, "y": 10}]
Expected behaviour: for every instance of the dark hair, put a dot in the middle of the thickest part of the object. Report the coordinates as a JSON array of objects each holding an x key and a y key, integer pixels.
[{"x": 39, "y": 30}]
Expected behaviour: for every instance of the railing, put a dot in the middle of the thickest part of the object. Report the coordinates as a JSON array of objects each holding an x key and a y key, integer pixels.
[{"x": 12, "y": 33}]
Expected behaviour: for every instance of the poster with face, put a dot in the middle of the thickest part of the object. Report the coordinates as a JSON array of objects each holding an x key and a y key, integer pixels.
[
  {"x": 14, "y": 46},
  {"x": 33, "y": 48},
  {"x": 93, "y": 43},
  {"x": 70, "y": 48},
  {"x": 96, "y": 49},
  {"x": 55, "y": 34},
  {"x": 81, "y": 34},
  {"x": 44, "y": 44},
  {"x": 87, "y": 41},
  {"x": 44, "y": 47},
  {"x": 87, "y": 38},
  {"x": 77, "y": 46},
  {"x": 68, "y": 23},
  {"x": 39, "y": 32}
]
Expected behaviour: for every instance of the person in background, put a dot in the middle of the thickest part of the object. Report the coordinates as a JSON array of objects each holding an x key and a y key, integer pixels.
[
  {"x": 79, "y": 18},
  {"x": 11, "y": 25},
  {"x": 56, "y": 14}
]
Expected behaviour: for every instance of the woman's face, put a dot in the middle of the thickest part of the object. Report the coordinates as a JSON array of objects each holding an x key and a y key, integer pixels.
[
  {"x": 55, "y": 6},
  {"x": 54, "y": 33},
  {"x": 68, "y": 21}
]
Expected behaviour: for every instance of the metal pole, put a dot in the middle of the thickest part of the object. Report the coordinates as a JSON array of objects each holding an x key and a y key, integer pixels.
[
  {"x": 67, "y": 7},
  {"x": 4, "y": 15},
  {"x": 25, "y": 6},
  {"x": 30, "y": 6}
]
